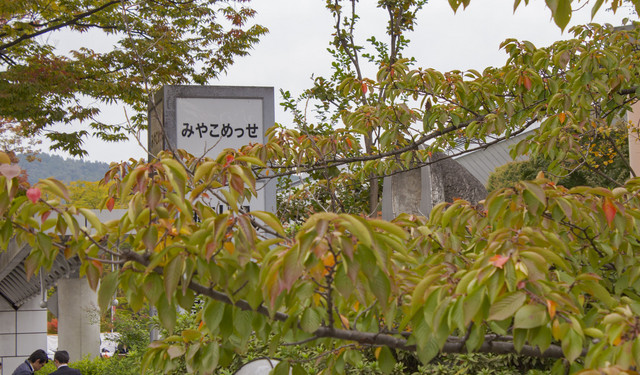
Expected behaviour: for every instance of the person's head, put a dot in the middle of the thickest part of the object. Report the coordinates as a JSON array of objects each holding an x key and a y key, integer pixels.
[
  {"x": 61, "y": 357},
  {"x": 38, "y": 359}
]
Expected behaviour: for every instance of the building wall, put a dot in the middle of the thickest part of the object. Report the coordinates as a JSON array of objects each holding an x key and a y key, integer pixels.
[{"x": 21, "y": 332}]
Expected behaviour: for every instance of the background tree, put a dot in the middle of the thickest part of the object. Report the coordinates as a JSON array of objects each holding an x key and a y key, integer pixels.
[
  {"x": 538, "y": 269},
  {"x": 154, "y": 43},
  {"x": 605, "y": 164}
]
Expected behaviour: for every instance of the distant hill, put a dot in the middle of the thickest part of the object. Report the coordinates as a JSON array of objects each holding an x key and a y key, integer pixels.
[{"x": 63, "y": 169}]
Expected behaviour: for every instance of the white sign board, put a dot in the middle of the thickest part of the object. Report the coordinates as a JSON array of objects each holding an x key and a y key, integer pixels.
[{"x": 207, "y": 126}]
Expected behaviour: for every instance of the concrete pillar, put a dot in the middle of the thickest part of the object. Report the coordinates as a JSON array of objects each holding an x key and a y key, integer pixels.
[
  {"x": 417, "y": 191},
  {"x": 22, "y": 331},
  {"x": 78, "y": 318},
  {"x": 407, "y": 192},
  {"x": 634, "y": 141}
]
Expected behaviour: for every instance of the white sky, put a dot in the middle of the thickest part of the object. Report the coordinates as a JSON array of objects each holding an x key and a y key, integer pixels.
[{"x": 300, "y": 31}]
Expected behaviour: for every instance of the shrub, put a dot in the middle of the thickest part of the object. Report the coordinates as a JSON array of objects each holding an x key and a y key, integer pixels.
[{"x": 52, "y": 326}]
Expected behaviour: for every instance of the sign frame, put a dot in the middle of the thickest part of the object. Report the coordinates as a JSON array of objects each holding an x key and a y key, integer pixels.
[{"x": 163, "y": 129}]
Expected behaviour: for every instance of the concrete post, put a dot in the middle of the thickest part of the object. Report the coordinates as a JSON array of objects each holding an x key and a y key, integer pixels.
[{"x": 78, "y": 319}]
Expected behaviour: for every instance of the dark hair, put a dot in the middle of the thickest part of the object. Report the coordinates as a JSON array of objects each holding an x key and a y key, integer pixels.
[
  {"x": 61, "y": 356},
  {"x": 38, "y": 355}
]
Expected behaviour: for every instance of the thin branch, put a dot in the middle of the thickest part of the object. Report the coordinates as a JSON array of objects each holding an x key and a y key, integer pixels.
[{"x": 58, "y": 26}]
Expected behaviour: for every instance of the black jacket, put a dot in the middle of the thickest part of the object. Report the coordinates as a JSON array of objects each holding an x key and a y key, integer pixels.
[{"x": 66, "y": 370}]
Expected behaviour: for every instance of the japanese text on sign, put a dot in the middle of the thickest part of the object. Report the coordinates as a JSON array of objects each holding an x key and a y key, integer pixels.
[
  {"x": 202, "y": 130},
  {"x": 210, "y": 125}
]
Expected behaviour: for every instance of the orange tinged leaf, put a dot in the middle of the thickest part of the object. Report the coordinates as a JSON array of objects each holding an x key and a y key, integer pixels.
[
  {"x": 609, "y": 210},
  {"x": 551, "y": 307},
  {"x": 329, "y": 260},
  {"x": 617, "y": 340},
  {"x": 364, "y": 88},
  {"x": 345, "y": 321},
  {"x": 498, "y": 260},
  {"x": 45, "y": 216},
  {"x": 229, "y": 247},
  {"x": 562, "y": 117},
  {"x": 98, "y": 264}
]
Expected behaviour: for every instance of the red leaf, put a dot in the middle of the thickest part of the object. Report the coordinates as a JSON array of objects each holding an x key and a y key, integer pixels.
[
  {"x": 498, "y": 260},
  {"x": 45, "y": 216},
  {"x": 526, "y": 81},
  {"x": 211, "y": 248},
  {"x": 364, "y": 88},
  {"x": 237, "y": 184},
  {"x": 609, "y": 210},
  {"x": 34, "y": 194},
  {"x": 228, "y": 159},
  {"x": 110, "y": 203}
]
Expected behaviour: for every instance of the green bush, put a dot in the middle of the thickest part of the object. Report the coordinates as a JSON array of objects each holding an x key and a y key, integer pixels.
[{"x": 88, "y": 366}]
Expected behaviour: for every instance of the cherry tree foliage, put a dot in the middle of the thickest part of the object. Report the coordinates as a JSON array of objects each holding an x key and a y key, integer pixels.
[{"x": 537, "y": 269}]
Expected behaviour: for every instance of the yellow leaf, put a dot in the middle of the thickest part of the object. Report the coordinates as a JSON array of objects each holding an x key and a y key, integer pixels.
[
  {"x": 345, "y": 321},
  {"x": 4, "y": 158},
  {"x": 230, "y": 247}
]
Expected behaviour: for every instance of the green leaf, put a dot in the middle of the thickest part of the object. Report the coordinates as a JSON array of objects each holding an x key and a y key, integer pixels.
[
  {"x": 530, "y": 316},
  {"x": 357, "y": 228},
  {"x": 389, "y": 228},
  {"x": 311, "y": 320},
  {"x": 595, "y": 8},
  {"x": 242, "y": 322},
  {"x": 166, "y": 314},
  {"x": 380, "y": 286},
  {"x": 212, "y": 315},
  {"x": 93, "y": 275},
  {"x": 93, "y": 219},
  {"x": 506, "y": 306},
  {"x": 386, "y": 360},
  {"x": 153, "y": 287},
  {"x": 472, "y": 303},
  {"x": 172, "y": 274},
  {"x": 599, "y": 292},
  {"x": 56, "y": 187},
  {"x": 251, "y": 160},
  {"x": 210, "y": 356},
  {"x": 270, "y": 219},
  {"x": 561, "y": 11},
  {"x": 150, "y": 237},
  {"x": 572, "y": 345},
  {"x": 282, "y": 368},
  {"x": 429, "y": 351},
  {"x": 106, "y": 293}
]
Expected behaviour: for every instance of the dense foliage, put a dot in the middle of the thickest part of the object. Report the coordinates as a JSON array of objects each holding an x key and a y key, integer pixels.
[
  {"x": 607, "y": 165},
  {"x": 154, "y": 43},
  {"x": 537, "y": 269}
]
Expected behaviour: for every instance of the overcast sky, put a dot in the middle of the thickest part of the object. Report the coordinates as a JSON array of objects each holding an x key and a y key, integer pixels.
[{"x": 300, "y": 30}]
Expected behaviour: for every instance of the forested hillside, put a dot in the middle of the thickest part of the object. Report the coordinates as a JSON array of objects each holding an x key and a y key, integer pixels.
[{"x": 63, "y": 169}]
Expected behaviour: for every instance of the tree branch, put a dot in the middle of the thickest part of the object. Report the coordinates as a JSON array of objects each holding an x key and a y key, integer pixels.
[{"x": 58, "y": 26}]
